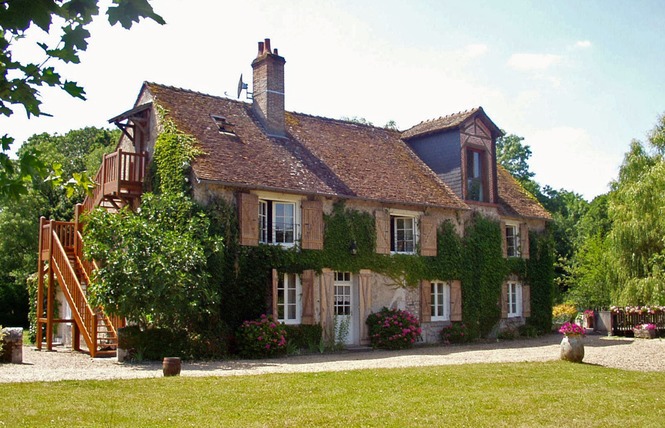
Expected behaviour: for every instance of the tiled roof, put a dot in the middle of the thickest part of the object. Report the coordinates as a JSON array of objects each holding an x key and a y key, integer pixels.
[
  {"x": 319, "y": 155},
  {"x": 450, "y": 121},
  {"x": 515, "y": 201}
]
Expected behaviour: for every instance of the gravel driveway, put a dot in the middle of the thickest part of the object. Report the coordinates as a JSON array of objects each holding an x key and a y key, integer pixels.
[{"x": 621, "y": 353}]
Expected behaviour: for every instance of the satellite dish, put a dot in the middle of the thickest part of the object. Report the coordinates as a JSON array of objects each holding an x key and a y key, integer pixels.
[{"x": 241, "y": 86}]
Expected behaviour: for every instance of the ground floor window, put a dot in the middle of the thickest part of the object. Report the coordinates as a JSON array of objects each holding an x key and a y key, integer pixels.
[
  {"x": 288, "y": 299},
  {"x": 440, "y": 301},
  {"x": 514, "y": 299}
]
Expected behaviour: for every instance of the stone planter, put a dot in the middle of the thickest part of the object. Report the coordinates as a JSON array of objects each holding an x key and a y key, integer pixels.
[
  {"x": 644, "y": 334},
  {"x": 572, "y": 348}
]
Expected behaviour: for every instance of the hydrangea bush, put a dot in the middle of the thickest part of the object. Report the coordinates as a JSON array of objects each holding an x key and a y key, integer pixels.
[
  {"x": 261, "y": 338},
  {"x": 456, "y": 332},
  {"x": 393, "y": 329}
]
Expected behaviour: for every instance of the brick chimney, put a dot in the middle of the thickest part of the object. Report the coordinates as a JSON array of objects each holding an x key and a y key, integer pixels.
[{"x": 268, "y": 89}]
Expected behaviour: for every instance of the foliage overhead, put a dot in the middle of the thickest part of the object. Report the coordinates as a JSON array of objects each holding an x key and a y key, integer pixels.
[{"x": 20, "y": 81}]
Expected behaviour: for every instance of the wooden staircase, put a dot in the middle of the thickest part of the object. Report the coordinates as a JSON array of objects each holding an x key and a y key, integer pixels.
[{"x": 61, "y": 261}]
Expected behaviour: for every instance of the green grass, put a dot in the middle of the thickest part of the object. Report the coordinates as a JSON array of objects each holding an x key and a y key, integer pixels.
[{"x": 510, "y": 395}]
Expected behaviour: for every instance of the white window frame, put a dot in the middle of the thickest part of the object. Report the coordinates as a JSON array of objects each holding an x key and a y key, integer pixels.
[
  {"x": 396, "y": 215},
  {"x": 273, "y": 200},
  {"x": 285, "y": 283},
  {"x": 514, "y": 296},
  {"x": 440, "y": 304},
  {"x": 517, "y": 241}
]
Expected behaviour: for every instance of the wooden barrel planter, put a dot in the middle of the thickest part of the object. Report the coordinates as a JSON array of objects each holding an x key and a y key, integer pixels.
[{"x": 171, "y": 366}]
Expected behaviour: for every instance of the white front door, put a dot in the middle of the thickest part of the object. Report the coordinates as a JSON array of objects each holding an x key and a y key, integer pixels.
[{"x": 345, "y": 309}]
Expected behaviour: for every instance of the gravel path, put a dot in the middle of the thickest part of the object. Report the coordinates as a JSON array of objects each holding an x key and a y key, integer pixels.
[{"x": 621, "y": 353}]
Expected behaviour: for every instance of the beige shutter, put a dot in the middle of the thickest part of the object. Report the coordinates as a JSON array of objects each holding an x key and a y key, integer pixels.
[
  {"x": 307, "y": 285},
  {"x": 504, "y": 300},
  {"x": 312, "y": 225},
  {"x": 382, "y": 232},
  {"x": 526, "y": 301},
  {"x": 425, "y": 301},
  {"x": 275, "y": 281},
  {"x": 428, "y": 236},
  {"x": 365, "y": 294},
  {"x": 327, "y": 302},
  {"x": 456, "y": 300},
  {"x": 524, "y": 240},
  {"x": 248, "y": 216},
  {"x": 504, "y": 242}
]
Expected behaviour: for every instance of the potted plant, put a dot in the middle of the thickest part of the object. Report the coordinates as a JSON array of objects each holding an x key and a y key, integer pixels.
[
  {"x": 645, "y": 331},
  {"x": 572, "y": 346}
]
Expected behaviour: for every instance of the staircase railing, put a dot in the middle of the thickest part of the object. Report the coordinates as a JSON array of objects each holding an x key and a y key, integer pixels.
[{"x": 66, "y": 276}]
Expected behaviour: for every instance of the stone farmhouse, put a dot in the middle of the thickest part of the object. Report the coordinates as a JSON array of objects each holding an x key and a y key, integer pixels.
[{"x": 284, "y": 171}]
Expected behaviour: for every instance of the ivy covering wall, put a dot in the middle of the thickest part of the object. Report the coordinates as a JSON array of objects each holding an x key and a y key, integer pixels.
[{"x": 243, "y": 273}]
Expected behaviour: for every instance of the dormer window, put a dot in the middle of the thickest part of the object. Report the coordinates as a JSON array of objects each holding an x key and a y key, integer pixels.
[
  {"x": 476, "y": 176},
  {"x": 223, "y": 126}
]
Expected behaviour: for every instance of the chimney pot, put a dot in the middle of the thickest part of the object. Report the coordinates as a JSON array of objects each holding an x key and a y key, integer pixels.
[{"x": 267, "y": 46}]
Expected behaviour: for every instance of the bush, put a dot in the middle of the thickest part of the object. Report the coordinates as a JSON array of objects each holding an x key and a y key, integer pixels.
[
  {"x": 455, "y": 333},
  {"x": 304, "y": 336},
  {"x": 563, "y": 313},
  {"x": 261, "y": 338},
  {"x": 393, "y": 329}
]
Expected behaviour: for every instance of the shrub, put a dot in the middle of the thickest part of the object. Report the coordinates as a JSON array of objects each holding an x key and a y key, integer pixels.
[
  {"x": 393, "y": 329},
  {"x": 563, "y": 313},
  {"x": 455, "y": 333},
  {"x": 304, "y": 336},
  {"x": 261, "y": 338}
]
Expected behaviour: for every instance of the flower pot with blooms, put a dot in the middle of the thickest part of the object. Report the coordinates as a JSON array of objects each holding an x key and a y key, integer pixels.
[
  {"x": 645, "y": 331},
  {"x": 572, "y": 345}
]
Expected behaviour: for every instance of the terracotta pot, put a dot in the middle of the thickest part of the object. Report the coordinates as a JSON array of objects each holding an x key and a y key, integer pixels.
[
  {"x": 572, "y": 348},
  {"x": 171, "y": 366}
]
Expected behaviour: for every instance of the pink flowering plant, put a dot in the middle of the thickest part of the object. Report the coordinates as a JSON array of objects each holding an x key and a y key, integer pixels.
[
  {"x": 456, "y": 332},
  {"x": 649, "y": 327},
  {"x": 393, "y": 329},
  {"x": 570, "y": 328},
  {"x": 261, "y": 338}
]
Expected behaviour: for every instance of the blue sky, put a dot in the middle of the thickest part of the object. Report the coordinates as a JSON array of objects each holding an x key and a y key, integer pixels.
[{"x": 578, "y": 80}]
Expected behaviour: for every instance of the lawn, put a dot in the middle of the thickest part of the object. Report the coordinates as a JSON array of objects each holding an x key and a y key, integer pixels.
[{"x": 513, "y": 395}]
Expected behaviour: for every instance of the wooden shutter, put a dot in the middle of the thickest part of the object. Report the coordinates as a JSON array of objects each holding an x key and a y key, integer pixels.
[
  {"x": 312, "y": 225},
  {"x": 504, "y": 300},
  {"x": 428, "y": 236},
  {"x": 456, "y": 300},
  {"x": 526, "y": 301},
  {"x": 425, "y": 301},
  {"x": 524, "y": 240},
  {"x": 504, "y": 241},
  {"x": 248, "y": 216},
  {"x": 382, "y": 232},
  {"x": 307, "y": 285},
  {"x": 275, "y": 282}
]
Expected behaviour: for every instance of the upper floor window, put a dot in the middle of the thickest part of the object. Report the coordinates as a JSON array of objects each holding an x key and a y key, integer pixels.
[
  {"x": 513, "y": 240},
  {"x": 476, "y": 176},
  {"x": 402, "y": 234},
  {"x": 440, "y": 301},
  {"x": 277, "y": 222}
]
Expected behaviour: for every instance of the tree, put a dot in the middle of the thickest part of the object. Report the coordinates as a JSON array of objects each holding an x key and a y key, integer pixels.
[
  {"x": 76, "y": 152},
  {"x": 20, "y": 81}
]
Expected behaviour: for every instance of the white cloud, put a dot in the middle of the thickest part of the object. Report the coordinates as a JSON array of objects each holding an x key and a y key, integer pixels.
[
  {"x": 475, "y": 50},
  {"x": 570, "y": 158},
  {"x": 583, "y": 44},
  {"x": 532, "y": 62}
]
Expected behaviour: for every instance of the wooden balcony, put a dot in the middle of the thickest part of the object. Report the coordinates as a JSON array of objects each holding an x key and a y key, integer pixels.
[{"x": 119, "y": 180}]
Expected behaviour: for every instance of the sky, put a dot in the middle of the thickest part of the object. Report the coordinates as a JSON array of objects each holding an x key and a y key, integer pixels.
[{"x": 578, "y": 80}]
